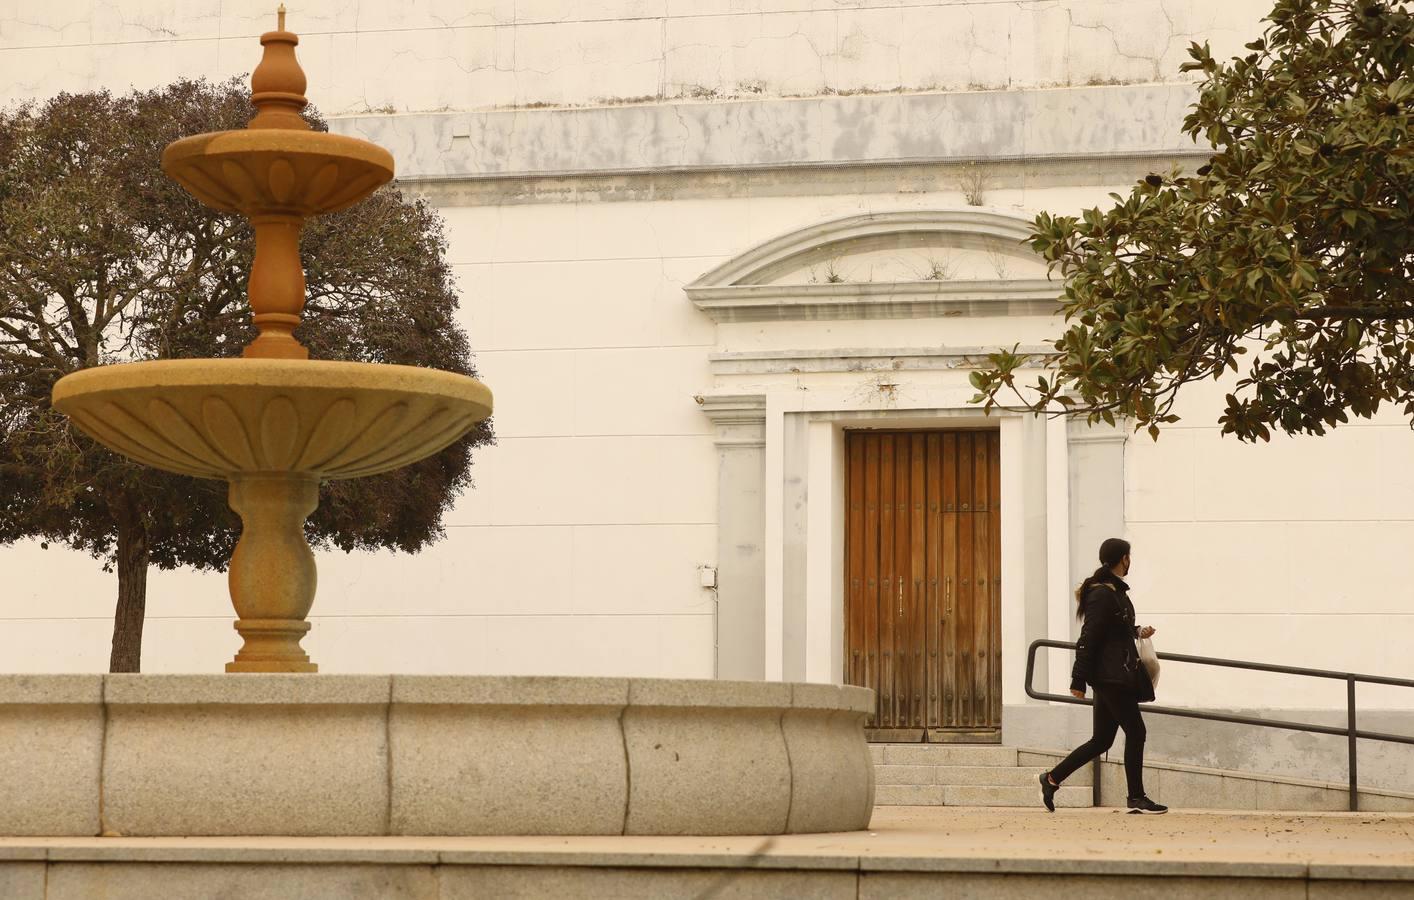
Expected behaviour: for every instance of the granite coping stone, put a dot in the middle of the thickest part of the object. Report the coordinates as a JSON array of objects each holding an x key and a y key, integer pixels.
[
  {"x": 50, "y": 690},
  {"x": 674, "y": 692},
  {"x": 608, "y": 859},
  {"x": 832, "y": 697},
  {"x": 1360, "y": 872},
  {"x": 364, "y": 851},
  {"x": 1074, "y": 866},
  {"x": 23, "y": 853},
  {"x": 1324, "y": 847},
  {"x": 527, "y": 690},
  {"x": 248, "y": 689},
  {"x": 120, "y": 850},
  {"x": 491, "y": 690}
]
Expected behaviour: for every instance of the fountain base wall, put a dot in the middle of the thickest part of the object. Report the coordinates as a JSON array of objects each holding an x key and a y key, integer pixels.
[{"x": 311, "y": 755}]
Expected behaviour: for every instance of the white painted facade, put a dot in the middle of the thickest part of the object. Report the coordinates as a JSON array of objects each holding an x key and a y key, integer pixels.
[{"x": 633, "y": 191}]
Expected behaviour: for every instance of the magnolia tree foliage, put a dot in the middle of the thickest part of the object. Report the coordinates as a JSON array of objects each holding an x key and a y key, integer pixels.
[
  {"x": 1293, "y": 246},
  {"x": 103, "y": 259}
]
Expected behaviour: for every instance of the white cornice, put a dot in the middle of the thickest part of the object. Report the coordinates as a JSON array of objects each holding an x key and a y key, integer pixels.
[
  {"x": 878, "y": 300},
  {"x": 1090, "y": 122},
  {"x": 740, "y": 419},
  {"x": 854, "y": 359},
  {"x": 1082, "y": 433},
  {"x": 733, "y": 407}
]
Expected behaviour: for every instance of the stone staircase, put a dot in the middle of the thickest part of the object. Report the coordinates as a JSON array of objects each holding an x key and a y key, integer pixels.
[
  {"x": 964, "y": 775},
  {"x": 990, "y": 775}
]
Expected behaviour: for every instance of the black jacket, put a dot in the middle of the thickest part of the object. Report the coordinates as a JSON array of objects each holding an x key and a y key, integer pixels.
[{"x": 1105, "y": 653}]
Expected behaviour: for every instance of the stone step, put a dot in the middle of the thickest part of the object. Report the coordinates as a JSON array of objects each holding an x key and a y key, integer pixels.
[
  {"x": 974, "y": 795},
  {"x": 947, "y": 755},
  {"x": 997, "y": 776}
]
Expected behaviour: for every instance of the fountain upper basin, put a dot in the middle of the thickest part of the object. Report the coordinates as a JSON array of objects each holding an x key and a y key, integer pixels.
[{"x": 217, "y": 418}]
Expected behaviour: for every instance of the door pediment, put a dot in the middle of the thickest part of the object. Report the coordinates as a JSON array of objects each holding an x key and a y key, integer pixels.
[{"x": 901, "y": 264}]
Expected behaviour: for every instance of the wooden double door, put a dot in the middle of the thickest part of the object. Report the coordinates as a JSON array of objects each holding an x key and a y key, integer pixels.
[{"x": 922, "y": 585}]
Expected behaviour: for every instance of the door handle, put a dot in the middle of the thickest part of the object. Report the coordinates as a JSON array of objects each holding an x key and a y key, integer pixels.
[
  {"x": 947, "y": 596},
  {"x": 900, "y": 596}
]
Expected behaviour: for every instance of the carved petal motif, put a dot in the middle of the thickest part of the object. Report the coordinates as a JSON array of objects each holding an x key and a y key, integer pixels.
[
  {"x": 330, "y": 436},
  {"x": 112, "y": 436},
  {"x": 353, "y": 192},
  {"x": 179, "y": 431},
  {"x": 321, "y": 184},
  {"x": 279, "y": 433},
  {"x": 207, "y": 189},
  {"x": 371, "y": 438},
  {"x": 448, "y": 428},
  {"x": 228, "y": 432},
  {"x": 137, "y": 432},
  {"x": 239, "y": 180},
  {"x": 282, "y": 179}
]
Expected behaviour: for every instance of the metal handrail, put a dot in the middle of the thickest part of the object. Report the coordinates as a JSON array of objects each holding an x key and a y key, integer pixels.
[{"x": 1351, "y": 732}]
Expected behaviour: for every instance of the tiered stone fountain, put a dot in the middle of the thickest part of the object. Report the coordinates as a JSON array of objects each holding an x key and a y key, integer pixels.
[
  {"x": 297, "y": 754},
  {"x": 275, "y": 423}
]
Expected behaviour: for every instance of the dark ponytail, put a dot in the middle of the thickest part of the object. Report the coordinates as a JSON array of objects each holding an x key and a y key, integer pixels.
[
  {"x": 1080, "y": 593},
  {"x": 1112, "y": 552}
]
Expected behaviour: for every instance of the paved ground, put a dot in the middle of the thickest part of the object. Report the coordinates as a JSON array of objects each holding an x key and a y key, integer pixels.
[
  {"x": 1349, "y": 839},
  {"x": 913, "y": 838}
]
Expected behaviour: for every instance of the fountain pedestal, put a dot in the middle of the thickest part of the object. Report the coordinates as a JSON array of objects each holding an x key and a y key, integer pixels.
[{"x": 272, "y": 607}]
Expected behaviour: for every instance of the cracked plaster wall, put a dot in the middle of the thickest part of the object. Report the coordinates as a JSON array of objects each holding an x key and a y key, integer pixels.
[{"x": 440, "y": 55}]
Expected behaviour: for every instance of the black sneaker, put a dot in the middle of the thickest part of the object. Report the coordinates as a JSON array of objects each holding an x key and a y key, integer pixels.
[
  {"x": 1048, "y": 791},
  {"x": 1144, "y": 806}
]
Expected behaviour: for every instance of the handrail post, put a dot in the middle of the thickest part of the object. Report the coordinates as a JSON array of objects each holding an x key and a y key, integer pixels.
[
  {"x": 1095, "y": 784},
  {"x": 1351, "y": 731}
]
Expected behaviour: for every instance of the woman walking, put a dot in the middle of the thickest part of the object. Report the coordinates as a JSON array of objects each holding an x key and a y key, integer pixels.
[{"x": 1107, "y": 660}]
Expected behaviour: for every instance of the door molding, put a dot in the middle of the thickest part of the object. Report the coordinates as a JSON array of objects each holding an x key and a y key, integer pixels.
[{"x": 804, "y": 527}]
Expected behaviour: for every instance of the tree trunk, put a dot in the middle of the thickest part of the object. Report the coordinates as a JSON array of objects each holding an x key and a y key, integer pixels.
[{"x": 132, "y": 593}]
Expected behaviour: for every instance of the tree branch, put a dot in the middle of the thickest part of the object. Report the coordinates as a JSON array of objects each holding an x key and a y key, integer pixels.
[{"x": 1356, "y": 312}]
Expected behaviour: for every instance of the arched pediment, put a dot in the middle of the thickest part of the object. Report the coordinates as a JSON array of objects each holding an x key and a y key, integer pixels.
[{"x": 899, "y": 264}]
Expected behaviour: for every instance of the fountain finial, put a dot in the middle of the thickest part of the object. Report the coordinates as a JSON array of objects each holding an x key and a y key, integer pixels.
[
  {"x": 278, "y": 83},
  {"x": 277, "y": 171}
]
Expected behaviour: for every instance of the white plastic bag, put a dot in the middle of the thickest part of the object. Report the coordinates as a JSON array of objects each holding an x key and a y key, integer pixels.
[{"x": 1150, "y": 660}]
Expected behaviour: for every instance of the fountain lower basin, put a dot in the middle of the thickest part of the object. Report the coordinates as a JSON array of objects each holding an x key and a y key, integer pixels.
[{"x": 194, "y": 755}]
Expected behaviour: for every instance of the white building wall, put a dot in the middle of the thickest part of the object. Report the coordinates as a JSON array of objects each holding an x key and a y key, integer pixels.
[
  {"x": 578, "y": 550},
  {"x": 1290, "y": 552}
]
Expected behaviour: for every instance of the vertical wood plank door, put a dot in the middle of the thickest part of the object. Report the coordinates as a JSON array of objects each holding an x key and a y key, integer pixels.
[{"x": 922, "y": 582}]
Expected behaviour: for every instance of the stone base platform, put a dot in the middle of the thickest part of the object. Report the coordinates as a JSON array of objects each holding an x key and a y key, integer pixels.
[
  {"x": 324, "y": 755},
  {"x": 971, "y": 853}
]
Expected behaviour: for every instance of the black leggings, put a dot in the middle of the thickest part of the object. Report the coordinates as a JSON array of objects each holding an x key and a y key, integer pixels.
[{"x": 1115, "y": 707}]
